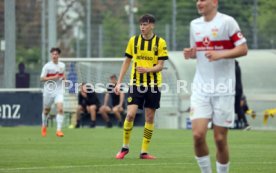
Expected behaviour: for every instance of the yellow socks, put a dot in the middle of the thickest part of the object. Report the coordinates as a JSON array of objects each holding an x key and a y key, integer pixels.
[
  {"x": 147, "y": 137},
  {"x": 127, "y": 133}
]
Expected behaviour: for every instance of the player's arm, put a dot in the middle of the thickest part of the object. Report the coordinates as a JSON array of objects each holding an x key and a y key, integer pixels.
[
  {"x": 162, "y": 56},
  {"x": 123, "y": 71},
  {"x": 49, "y": 78},
  {"x": 190, "y": 53},
  {"x": 237, "y": 38},
  {"x": 236, "y": 52},
  {"x": 43, "y": 76},
  {"x": 157, "y": 68}
]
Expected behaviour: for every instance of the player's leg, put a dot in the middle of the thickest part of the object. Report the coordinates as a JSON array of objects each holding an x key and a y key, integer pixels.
[
  {"x": 224, "y": 117},
  {"x": 128, "y": 125},
  {"x": 200, "y": 114},
  {"x": 47, "y": 102},
  {"x": 135, "y": 100},
  {"x": 152, "y": 102},
  {"x": 104, "y": 110},
  {"x": 92, "y": 110},
  {"x": 60, "y": 114},
  {"x": 148, "y": 130},
  {"x": 117, "y": 112},
  {"x": 220, "y": 136}
]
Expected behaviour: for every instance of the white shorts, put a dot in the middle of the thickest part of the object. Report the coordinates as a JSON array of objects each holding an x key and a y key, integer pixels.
[
  {"x": 219, "y": 109},
  {"x": 48, "y": 100}
]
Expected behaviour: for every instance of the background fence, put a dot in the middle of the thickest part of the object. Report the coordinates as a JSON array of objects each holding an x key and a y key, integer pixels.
[{"x": 101, "y": 28}]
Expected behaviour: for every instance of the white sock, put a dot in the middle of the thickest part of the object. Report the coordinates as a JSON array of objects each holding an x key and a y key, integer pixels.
[
  {"x": 59, "y": 121},
  {"x": 125, "y": 146},
  {"x": 44, "y": 119},
  {"x": 222, "y": 168},
  {"x": 204, "y": 164}
]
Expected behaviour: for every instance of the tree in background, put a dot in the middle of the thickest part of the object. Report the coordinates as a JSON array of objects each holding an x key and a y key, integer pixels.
[{"x": 267, "y": 24}]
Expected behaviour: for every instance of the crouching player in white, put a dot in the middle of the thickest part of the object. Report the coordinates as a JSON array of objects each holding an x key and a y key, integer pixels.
[
  {"x": 215, "y": 41},
  {"x": 52, "y": 75}
]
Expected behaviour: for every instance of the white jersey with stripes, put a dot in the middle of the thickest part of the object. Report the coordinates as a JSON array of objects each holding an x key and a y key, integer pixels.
[
  {"x": 53, "y": 87},
  {"x": 222, "y": 33}
]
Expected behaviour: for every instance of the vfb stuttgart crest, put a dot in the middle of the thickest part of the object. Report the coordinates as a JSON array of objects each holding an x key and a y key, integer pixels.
[{"x": 206, "y": 41}]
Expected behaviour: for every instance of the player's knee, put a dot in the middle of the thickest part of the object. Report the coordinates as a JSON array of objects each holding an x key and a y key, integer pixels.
[
  {"x": 130, "y": 116},
  {"x": 220, "y": 141},
  {"x": 199, "y": 137}
]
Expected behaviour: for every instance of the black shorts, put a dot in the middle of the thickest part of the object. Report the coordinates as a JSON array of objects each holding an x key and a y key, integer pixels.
[
  {"x": 84, "y": 107},
  {"x": 148, "y": 97}
]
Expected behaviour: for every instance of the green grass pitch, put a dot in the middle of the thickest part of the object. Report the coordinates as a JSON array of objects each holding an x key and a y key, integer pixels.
[{"x": 23, "y": 150}]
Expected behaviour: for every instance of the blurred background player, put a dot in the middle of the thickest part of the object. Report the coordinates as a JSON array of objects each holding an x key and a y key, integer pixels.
[
  {"x": 117, "y": 101},
  {"x": 240, "y": 101},
  {"x": 53, "y": 74},
  {"x": 215, "y": 40},
  {"x": 147, "y": 53},
  {"x": 88, "y": 102}
]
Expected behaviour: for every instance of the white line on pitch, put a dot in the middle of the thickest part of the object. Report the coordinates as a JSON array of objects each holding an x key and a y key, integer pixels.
[{"x": 118, "y": 165}]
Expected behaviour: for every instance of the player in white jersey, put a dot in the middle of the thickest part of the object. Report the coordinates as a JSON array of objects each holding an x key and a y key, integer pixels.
[
  {"x": 52, "y": 75},
  {"x": 215, "y": 40}
]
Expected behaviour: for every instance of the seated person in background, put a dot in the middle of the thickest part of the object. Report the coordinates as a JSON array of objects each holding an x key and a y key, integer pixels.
[
  {"x": 89, "y": 102},
  {"x": 117, "y": 101},
  {"x": 241, "y": 114}
]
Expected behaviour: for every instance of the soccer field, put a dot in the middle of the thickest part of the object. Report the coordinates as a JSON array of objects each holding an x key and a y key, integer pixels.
[{"x": 23, "y": 150}]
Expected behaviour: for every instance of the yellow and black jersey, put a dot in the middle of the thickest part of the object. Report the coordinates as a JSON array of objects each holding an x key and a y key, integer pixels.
[{"x": 146, "y": 53}]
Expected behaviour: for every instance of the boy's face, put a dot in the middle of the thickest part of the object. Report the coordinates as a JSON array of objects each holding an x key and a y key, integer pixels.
[
  {"x": 146, "y": 28},
  {"x": 204, "y": 7},
  {"x": 55, "y": 56},
  {"x": 113, "y": 80}
]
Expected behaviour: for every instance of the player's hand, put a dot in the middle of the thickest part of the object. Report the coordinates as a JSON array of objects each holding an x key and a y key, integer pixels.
[
  {"x": 142, "y": 70},
  {"x": 212, "y": 55},
  {"x": 189, "y": 53},
  {"x": 56, "y": 77},
  {"x": 117, "y": 89},
  {"x": 61, "y": 77}
]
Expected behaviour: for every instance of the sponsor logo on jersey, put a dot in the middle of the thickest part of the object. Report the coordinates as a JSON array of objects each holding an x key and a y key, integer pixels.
[
  {"x": 147, "y": 58},
  {"x": 206, "y": 41}
]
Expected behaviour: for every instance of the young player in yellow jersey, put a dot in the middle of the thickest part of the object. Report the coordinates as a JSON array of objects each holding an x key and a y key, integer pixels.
[{"x": 147, "y": 53}]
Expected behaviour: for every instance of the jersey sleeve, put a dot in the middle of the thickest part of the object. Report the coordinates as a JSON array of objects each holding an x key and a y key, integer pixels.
[
  {"x": 62, "y": 70},
  {"x": 43, "y": 72},
  {"x": 162, "y": 50},
  {"x": 129, "y": 49},
  {"x": 192, "y": 38},
  {"x": 234, "y": 32}
]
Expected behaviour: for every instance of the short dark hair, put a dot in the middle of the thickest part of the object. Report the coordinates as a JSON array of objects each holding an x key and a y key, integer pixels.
[
  {"x": 147, "y": 18},
  {"x": 53, "y": 49}
]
